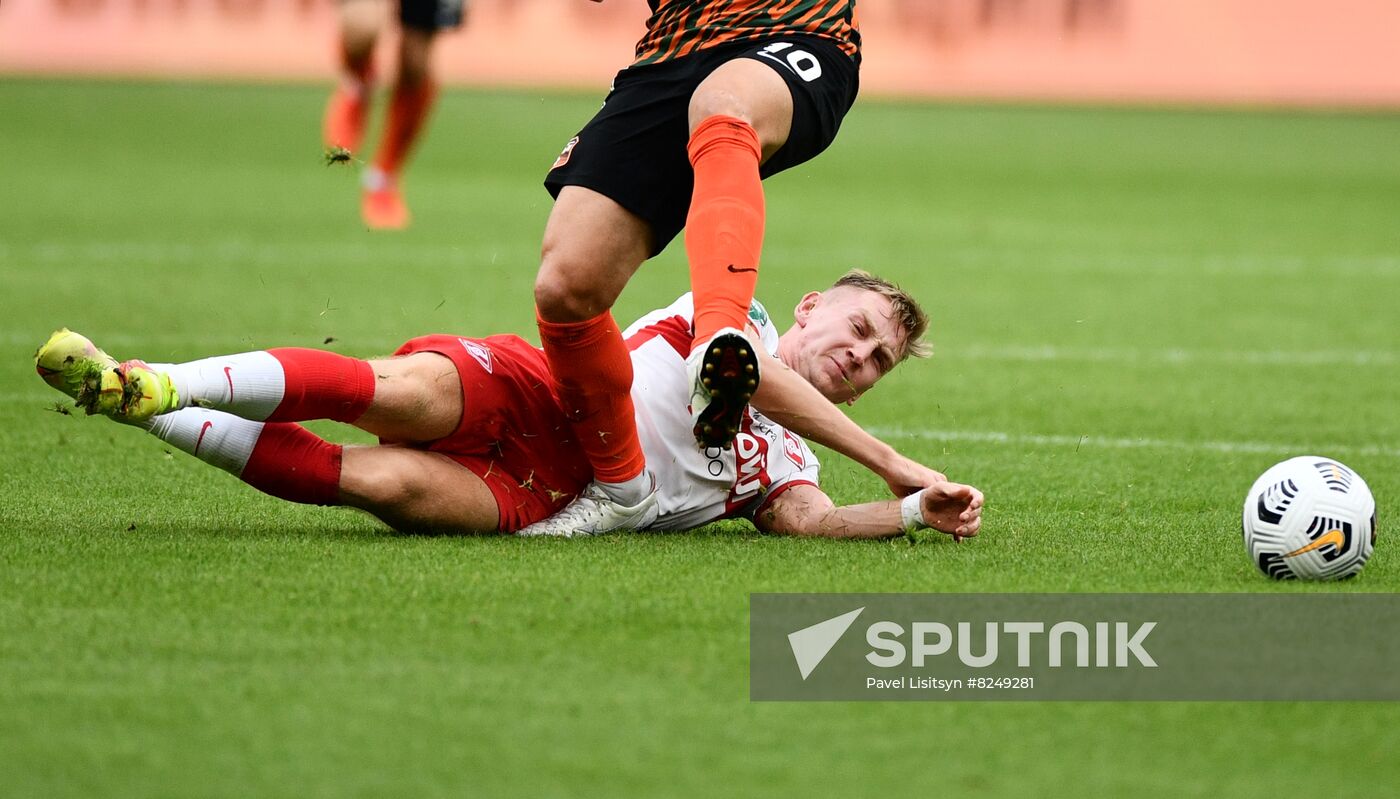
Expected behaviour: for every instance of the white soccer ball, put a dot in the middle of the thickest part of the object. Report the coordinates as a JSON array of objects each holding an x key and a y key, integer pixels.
[{"x": 1309, "y": 518}]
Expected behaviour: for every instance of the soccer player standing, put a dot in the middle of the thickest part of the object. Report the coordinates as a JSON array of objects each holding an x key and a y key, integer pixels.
[
  {"x": 361, "y": 22},
  {"x": 722, "y": 94}
]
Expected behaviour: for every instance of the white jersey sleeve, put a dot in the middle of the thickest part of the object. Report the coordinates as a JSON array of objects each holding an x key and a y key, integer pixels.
[{"x": 698, "y": 486}]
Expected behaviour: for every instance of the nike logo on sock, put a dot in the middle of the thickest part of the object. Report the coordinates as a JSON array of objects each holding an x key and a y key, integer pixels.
[
  {"x": 202, "y": 430},
  {"x": 228, "y": 373},
  {"x": 737, "y": 269}
]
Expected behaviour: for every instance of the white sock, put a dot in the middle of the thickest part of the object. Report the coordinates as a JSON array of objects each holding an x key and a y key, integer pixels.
[
  {"x": 376, "y": 179},
  {"x": 628, "y": 492},
  {"x": 354, "y": 86},
  {"x": 217, "y": 438},
  {"x": 249, "y": 384}
]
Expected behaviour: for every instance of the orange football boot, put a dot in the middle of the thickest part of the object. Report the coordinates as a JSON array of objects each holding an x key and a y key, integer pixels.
[{"x": 381, "y": 203}]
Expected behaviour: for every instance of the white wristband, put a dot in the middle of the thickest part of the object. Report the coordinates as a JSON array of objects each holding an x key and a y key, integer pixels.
[{"x": 911, "y": 512}]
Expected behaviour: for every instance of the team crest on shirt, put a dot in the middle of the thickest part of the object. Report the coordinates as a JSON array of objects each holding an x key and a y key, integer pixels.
[
  {"x": 792, "y": 448},
  {"x": 564, "y": 156},
  {"x": 478, "y": 352}
]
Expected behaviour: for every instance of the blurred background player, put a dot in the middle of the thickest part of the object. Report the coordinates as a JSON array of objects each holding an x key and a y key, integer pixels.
[
  {"x": 361, "y": 23},
  {"x": 719, "y": 96}
]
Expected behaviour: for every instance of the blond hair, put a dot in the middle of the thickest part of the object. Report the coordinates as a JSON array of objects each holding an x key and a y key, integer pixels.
[{"x": 907, "y": 312}]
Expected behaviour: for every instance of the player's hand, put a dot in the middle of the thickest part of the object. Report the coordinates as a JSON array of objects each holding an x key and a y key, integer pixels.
[
  {"x": 953, "y": 508},
  {"x": 907, "y": 476}
]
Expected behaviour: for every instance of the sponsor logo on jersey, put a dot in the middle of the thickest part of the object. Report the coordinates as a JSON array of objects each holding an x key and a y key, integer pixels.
[
  {"x": 564, "y": 156},
  {"x": 750, "y": 466},
  {"x": 792, "y": 448},
  {"x": 480, "y": 353},
  {"x": 758, "y": 314}
]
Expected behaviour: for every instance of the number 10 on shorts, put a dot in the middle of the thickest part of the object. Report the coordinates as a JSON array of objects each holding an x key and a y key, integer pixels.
[{"x": 799, "y": 61}]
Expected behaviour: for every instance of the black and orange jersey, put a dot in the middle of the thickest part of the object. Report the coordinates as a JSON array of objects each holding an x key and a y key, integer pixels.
[{"x": 680, "y": 27}]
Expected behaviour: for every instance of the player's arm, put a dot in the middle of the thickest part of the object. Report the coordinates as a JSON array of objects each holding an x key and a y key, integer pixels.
[
  {"x": 951, "y": 508},
  {"x": 786, "y": 398}
]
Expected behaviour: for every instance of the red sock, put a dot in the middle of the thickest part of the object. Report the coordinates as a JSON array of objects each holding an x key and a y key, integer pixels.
[
  {"x": 322, "y": 385},
  {"x": 593, "y": 378},
  {"x": 724, "y": 231},
  {"x": 407, "y": 111},
  {"x": 292, "y": 463}
]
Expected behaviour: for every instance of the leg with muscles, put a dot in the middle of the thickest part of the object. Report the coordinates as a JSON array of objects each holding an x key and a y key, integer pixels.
[
  {"x": 592, "y": 246},
  {"x": 412, "y": 399},
  {"x": 278, "y": 458},
  {"x": 416, "y": 491},
  {"x": 739, "y": 116},
  {"x": 410, "y": 490},
  {"x": 279, "y": 385},
  {"x": 415, "y": 91},
  {"x": 360, "y": 24},
  {"x": 246, "y": 403}
]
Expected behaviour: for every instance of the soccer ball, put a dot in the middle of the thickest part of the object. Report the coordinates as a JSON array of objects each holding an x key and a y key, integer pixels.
[{"x": 1309, "y": 518}]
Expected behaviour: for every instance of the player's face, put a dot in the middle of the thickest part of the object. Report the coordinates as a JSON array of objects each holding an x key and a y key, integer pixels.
[{"x": 848, "y": 339}]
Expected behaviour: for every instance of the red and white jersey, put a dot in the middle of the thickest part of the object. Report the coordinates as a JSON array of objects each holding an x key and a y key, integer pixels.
[{"x": 698, "y": 486}]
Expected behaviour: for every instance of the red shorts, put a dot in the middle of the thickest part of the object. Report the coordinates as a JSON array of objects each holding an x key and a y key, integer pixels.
[{"x": 513, "y": 434}]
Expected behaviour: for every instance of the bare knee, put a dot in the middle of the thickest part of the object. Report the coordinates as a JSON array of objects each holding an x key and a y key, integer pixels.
[
  {"x": 592, "y": 246},
  {"x": 360, "y": 24},
  {"x": 719, "y": 101},
  {"x": 750, "y": 91},
  {"x": 563, "y": 292}
]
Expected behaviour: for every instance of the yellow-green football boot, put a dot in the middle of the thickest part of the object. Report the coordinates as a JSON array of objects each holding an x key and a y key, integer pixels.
[
  {"x": 145, "y": 392},
  {"x": 127, "y": 392},
  {"x": 71, "y": 363}
]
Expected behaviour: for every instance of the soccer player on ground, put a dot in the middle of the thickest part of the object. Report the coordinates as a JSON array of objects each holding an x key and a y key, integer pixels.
[
  {"x": 722, "y": 94},
  {"x": 473, "y": 440},
  {"x": 361, "y": 22}
]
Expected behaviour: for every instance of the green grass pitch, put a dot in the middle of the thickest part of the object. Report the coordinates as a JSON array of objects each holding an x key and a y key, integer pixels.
[{"x": 1136, "y": 312}]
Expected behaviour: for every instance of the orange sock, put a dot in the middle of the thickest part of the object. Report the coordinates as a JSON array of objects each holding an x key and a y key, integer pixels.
[
  {"x": 343, "y": 124},
  {"x": 724, "y": 231},
  {"x": 593, "y": 378},
  {"x": 407, "y": 111}
]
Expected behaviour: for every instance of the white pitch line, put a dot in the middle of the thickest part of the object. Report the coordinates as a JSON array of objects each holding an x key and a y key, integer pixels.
[
  {"x": 1083, "y": 258},
  {"x": 1269, "y": 357},
  {"x": 1022, "y": 439},
  {"x": 1078, "y": 260},
  {"x": 1102, "y": 442},
  {"x": 19, "y": 397},
  {"x": 158, "y": 346},
  {"x": 236, "y": 251},
  {"x": 1159, "y": 264}
]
